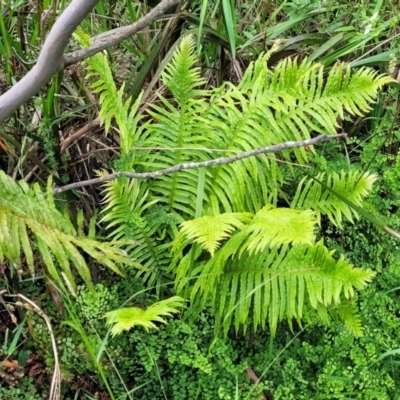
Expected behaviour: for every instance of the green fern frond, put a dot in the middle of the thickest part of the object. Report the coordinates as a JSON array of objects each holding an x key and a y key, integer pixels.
[
  {"x": 126, "y": 201},
  {"x": 353, "y": 92},
  {"x": 270, "y": 270},
  {"x": 347, "y": 311},
  {"x": 303, "y": 87},
  {"x": 181, "y": 76},
  {"x": 312, "y": 195},
  {"x": 269, "y": 227},
  {"x": 272, "y": 106},
  {"x": 26, "y": 211},
  {"x": 210, "y": 231},
  {"x": 277, "y": 284},
  {"x": 111, "y": 99},
  {"x": 125, "y": 214},
  {"x": 278, "y": 226},
  {"x": 178, "y": 128},
  {"x": 126, "y": 318}
]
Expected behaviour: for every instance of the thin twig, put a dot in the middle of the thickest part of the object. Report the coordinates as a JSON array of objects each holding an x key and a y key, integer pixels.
[
  {"x": 56, "y": 380},
  {"x": 192, "y": 165},
  {"x": 78, "y": 134}
]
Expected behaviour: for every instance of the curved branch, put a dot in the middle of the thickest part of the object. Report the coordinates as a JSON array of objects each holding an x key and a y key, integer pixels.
[
  {"x": 115, "y": 36},
  {"x": 192, "y": 165},
  {"x": 50, "y": 59}
]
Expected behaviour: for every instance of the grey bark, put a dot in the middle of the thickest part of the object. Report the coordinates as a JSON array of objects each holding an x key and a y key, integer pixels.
[
  {"x": 115, "y": 36},
  {"x": 52, "y": 59}
]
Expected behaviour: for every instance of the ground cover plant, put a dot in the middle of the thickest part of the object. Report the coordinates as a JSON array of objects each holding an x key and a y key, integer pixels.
[{"x": 207, "y": 209}]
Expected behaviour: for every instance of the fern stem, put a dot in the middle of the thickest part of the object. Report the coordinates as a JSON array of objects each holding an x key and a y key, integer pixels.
[{"x": 198, "y": 213}]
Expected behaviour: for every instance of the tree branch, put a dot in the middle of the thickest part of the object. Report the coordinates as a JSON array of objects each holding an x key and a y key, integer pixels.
[
  {"x": 50, "y": 58},
  {"x": 115, "y": 36},
  {"x": 192, "y": 165}
]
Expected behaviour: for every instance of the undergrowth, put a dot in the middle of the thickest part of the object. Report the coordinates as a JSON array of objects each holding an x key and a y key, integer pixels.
[{"x": 187, "y": 358}]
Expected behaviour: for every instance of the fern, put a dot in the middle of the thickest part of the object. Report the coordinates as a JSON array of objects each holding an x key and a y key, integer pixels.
[
  {"x": 126, "y": 318},
  {"x": 127, "y": 220},
  {"x": 178, "y": 128},
  {"x": 253, "y": 261},
  {"x": 276, "y": 284},
  {"x": 111, "y": 99},
  {"x": 347, "y": 312},
  {"x": 26, "y": 212},
  {"x": 126, "y": 205},
  {"x": 266, "y": 108},
  {"x": 270, "y": 269},
  {"x": 267, "y": 228},
  {"x": 351, "y": 185},
  {"x": 276, "y": 226},
  {"x": 210, "y": 231}
]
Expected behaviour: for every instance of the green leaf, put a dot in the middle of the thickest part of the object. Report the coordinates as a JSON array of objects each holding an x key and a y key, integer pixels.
[
  {"x": 210, "y": 231},
  {"x": 126, "y": 318},
  {"x": 230, "y": 25},
  {"x": 278, "y": 226},
  {"x": 28, "y": 212},
  {"x": 325, "y": 194}
]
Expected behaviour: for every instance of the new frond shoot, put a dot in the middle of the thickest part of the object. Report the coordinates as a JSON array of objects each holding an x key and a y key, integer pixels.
[{"x": 127, "y": 318}]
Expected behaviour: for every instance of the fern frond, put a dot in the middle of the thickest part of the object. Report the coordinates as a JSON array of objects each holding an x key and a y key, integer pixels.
[
  {"x": 347, "y": 311},
  {"x": 269, "y": 270},
  {"x": 111, "y": 100},
  {"x": 126, "y": 318},
  {"x": 353, "y": 92},
  {"x": 210, "y": 231},
  {"x": 24, "y": 209},
  {"x": 277, "y": 284},
  {"x": 269, "y": 227},
  {"x": 178, "y": 128},
  {"x": 286, "y": 104},
  {"x": 125, "y": 214},
  {"x": 312, "y": 195},
  {"x": 278, "y": 226},
  {"x": 181, "y": 76}
]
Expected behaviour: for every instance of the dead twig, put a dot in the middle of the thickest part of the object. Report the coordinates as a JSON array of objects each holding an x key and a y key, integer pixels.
[
  {"x": 55, "y": 393},
  {"x": 192, "y": 165}
]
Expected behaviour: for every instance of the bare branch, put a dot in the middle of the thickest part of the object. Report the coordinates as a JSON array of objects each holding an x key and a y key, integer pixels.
[
  {"x": 50, "y": 59},
  {"x": 115, "y": 36},
  {"x": 192, "y": 165}
]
